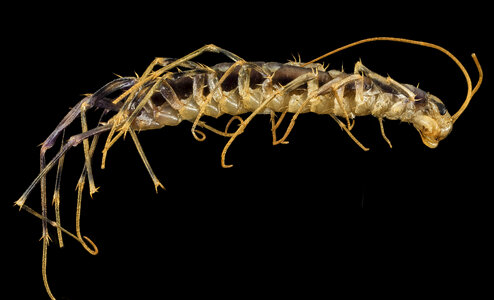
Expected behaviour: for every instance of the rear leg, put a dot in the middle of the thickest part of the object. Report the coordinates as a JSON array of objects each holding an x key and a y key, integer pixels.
[
  {"x": 87, "y": 155},
  {"x": 80, "y": 187},
  {"x": 71, "y": 142},
  {"x": 87, "y": 102},
  {"x": 56, "y": 195},
  {"x": 41, "y": 178}
]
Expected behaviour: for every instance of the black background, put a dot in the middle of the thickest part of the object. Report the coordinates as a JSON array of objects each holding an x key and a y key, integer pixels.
[{"x": 317, "y": 215}]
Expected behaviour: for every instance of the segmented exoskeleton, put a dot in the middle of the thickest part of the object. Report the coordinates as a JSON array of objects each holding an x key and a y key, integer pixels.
[{"x": 174, "y": 90}]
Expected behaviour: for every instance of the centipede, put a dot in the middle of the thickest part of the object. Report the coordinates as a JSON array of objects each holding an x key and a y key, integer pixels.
[{"x": 171, "y": 91}]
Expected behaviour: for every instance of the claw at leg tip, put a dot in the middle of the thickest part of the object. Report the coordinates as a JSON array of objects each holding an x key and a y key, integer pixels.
[
  {"x": 20, "y": 203},
  {"x": 95, "y": 190},
  {"x": 158, "y": 184},
  {"x": 46, "y": 237}
]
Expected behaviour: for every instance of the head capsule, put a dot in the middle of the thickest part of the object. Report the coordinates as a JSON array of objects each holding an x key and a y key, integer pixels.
[{"x": 431, "y": 118}]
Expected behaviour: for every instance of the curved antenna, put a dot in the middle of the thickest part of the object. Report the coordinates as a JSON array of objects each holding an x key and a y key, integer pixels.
[{"x": 470, "y": 92}]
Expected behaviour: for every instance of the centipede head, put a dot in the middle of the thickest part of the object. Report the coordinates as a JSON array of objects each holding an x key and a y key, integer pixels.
[{"x": 431, "y": 119}]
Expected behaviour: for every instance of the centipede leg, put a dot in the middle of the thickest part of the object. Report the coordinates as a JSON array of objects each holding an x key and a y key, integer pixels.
[
  {"x": 87, "y": 155},
  {"x": 168, "y": 64},
  {"x": 41, "y": 178},
  {"x": 44, "y": 262},
  {"x": 383, "y": 134},
  {"x": 56, "y": 195},
  {"x": 88, "y": 101},
  {"x": 47, "y": 144},
  {"x": 156, "y": 182},
  {"x": 72, "y": 142},
  {"x": 45, "y": 237},
  {"x": 44, "y": 209},
  {"x": 80, "y": 188},
  {"x": 123, "y": 128},
  {"x": 275, "y": 124},
  {"x": 292, "y": 85},
  {"x": 344, "y": 127}
]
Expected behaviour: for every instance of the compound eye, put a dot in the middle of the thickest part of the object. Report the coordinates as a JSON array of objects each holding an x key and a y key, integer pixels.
[{"x": 440, "y": 106}]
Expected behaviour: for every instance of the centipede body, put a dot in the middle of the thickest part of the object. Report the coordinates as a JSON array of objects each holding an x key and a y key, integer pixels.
[{"x": 171, "y": 91}]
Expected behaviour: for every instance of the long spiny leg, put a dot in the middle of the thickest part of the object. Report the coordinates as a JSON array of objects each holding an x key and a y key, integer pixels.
[
  {"x": 45, "y": 237},
  {"x": 71, "y": 142},
  {"x": 80, "y": 187},
  {"x": 87, "y": 155},
  {"x": 44, "y": 262},
  {"x": 275, "y": 124},
  {"x": 120, "y": 83},
  {"x": 337, "y": 88},
  {"x": 345, "y": 128},
  {"x": 127, "y": 121},
  {"x": 292, "y": 85},
  {"x": 89, "y": 101},
  {"x": 156, "y": 182},
  {"x": 56, "y": 195},
  {"x": 360, "y": 68},
  {"x": 44, "y": 259},
  {"x": 44, "y": 168},
  {"x": 41, "y": 178},
  {"x": 44, "y": 209},
  {"x": 92, "y": 250}
]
